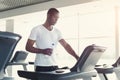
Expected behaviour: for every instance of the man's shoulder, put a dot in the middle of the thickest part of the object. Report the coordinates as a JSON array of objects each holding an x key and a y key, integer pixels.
[{"x": 38, "y": 27}]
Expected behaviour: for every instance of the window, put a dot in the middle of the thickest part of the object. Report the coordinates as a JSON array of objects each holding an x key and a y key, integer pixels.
[{"x": 98, "y": 28}]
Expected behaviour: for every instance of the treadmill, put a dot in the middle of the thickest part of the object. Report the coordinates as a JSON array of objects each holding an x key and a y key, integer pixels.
[
  {"x": 83, "y": 69},
  {"x": 8, "y": 42}
]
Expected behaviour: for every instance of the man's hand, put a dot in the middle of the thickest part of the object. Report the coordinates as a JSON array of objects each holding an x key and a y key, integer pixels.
[{"x": 47, "y": 51}]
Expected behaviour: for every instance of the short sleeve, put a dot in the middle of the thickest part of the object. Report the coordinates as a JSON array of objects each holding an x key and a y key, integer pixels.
[{"x": 33, "y": 34}]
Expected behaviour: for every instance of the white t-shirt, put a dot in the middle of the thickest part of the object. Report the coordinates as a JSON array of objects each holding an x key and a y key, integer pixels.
[{"x": 45, "y": 39}]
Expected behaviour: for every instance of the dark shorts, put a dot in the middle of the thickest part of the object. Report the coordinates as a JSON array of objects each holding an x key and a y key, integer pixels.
[{"x": 45, "y": 68}]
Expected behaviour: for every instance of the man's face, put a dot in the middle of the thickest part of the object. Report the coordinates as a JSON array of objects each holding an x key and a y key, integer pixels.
[{"x": 53, "y": 18}]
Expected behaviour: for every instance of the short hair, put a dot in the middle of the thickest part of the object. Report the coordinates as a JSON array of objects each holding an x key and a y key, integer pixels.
[{"x": 52, "y": 11}]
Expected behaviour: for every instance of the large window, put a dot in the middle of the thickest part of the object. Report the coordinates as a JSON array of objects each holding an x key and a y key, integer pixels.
[
  {"x": 81, "y": 30},
  {"x": 99, "y": 28}
]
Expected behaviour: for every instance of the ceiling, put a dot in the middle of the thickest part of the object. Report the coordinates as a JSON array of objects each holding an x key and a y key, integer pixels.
[
  {"x": 9, "y": 8},
  {"x": 12, "y": 4}
]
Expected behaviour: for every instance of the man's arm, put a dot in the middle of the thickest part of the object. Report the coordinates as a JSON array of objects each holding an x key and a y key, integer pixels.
[
  {"x": 31, "y": 48},
  {"x": 68, "y": 48}
]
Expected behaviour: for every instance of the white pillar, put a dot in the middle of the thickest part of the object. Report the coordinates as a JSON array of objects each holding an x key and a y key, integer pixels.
[
  {"x": 10, "y": 25},
  {"x": 9, "y": 28},
  {"x": 117, "y": 31}
]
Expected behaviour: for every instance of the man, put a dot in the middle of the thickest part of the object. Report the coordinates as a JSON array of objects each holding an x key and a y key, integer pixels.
[{"x": 46, "y": 37}]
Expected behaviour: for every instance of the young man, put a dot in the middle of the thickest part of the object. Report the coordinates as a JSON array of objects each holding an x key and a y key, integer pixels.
[{"x": 46, "y": 37}]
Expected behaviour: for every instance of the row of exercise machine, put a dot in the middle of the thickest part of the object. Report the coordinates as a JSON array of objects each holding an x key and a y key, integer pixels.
[{"x": 85, "y": 68}]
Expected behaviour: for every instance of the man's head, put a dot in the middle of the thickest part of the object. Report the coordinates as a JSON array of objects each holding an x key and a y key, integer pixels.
[{"x": 52, "y": 16}]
